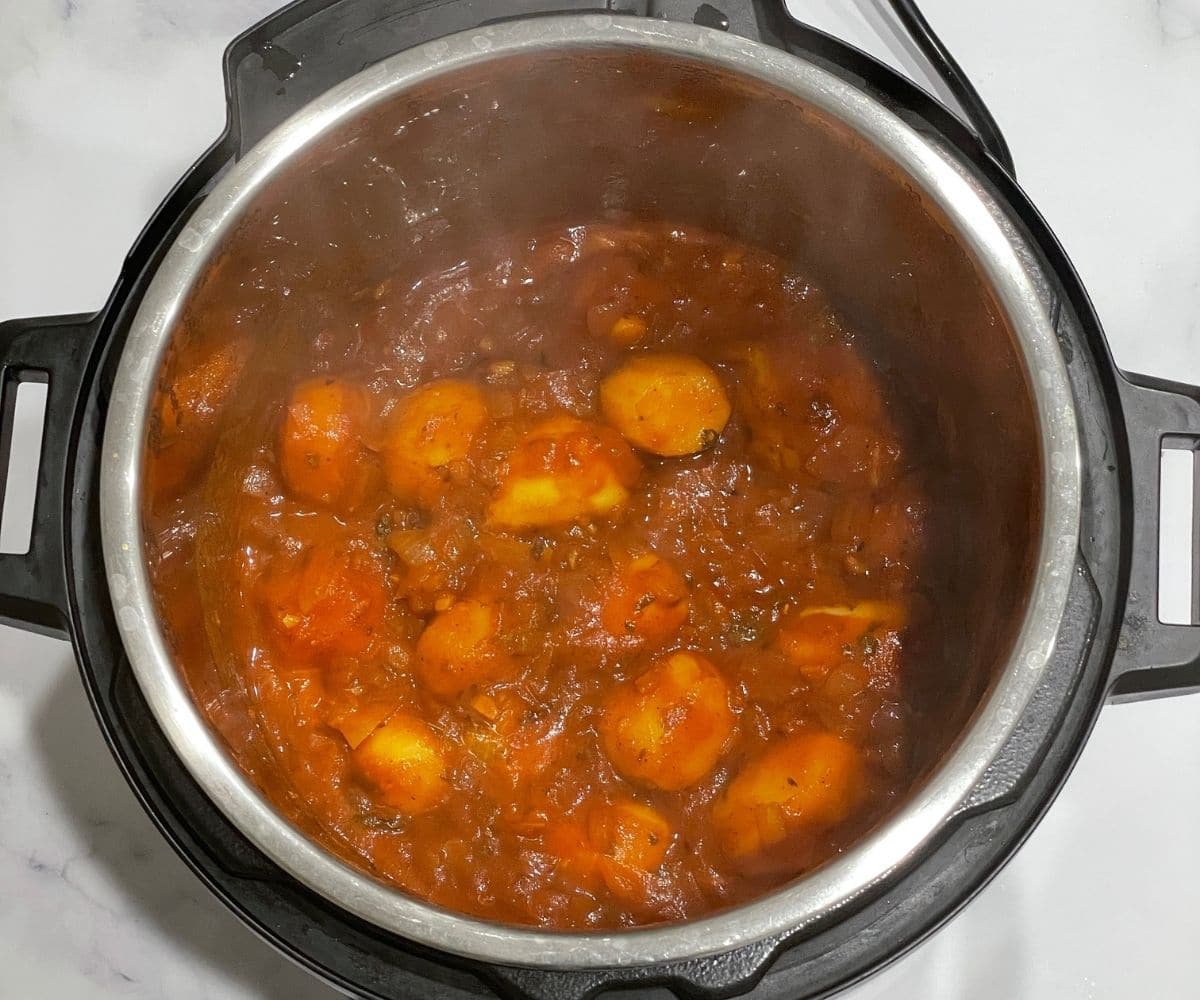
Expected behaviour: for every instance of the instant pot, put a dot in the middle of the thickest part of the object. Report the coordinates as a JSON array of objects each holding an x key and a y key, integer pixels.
[{"x": 916, "y": 224}]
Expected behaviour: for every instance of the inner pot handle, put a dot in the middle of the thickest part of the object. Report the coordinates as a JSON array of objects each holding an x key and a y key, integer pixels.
[
  {"x": 1154, "y": 658},
  {"x": 55, "y": 350}
]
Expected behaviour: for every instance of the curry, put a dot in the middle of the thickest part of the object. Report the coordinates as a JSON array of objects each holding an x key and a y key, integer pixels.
[{"x": 576, "y": 585}]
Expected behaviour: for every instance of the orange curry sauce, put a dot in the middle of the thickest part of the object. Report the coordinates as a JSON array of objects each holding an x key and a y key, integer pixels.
[{"x": 573, "y": 586}]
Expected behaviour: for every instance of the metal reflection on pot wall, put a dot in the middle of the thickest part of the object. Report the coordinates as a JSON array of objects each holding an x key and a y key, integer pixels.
[{"x": 1033, "y": 285}]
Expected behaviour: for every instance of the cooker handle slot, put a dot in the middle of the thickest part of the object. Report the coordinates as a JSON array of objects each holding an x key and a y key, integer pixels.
[
  {"x": 55, "y": 350},
  {"x": 1154, "y": 658}
]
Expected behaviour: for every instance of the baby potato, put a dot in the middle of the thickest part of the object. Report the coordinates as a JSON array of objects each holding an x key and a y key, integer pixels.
[
  {"x": 197, "y": 394},
  {"x": 666, "y": 404},
  {"x": 329, "y": 603},
  {"x": 647, "y": 598},
  {"x": 620, "y": 842},
  {"x": 320, "y": 450},
  {"x": 611, "y": 321},
  {"x": 810, "y": 780},
  {"x": 566, "y": 840},
  {"x": 187, "y": 411},
  {"x": 816, "y": 639},
  {"x": 669, "y": 727},
  {"x": 460, "y": 647},
  {"x": 564, "y": 470},
  {"x": 432, "y": 428},
  {"x": 405, "y": 761},
  {"x": 630, "y": 833}
]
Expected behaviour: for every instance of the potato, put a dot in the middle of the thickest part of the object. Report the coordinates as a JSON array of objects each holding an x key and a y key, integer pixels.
[
  {"x": 816, "y": 639},
  {"x": 431, "y": 430},
  {"x": 666, "y": 404},
  {"x": 564, "y": 470},
  {"x": 630, "y": 833},
  {"x": 460, "y": 648},
  {"x": 619, "y": 842},
  {"x": 647, "y": 598},
  {"x": 197, "y": 394},
  {"x": 329, "y": 602},
  {"x": 810, "y": 780},
  {"x": 320, "y": 449},
  {"x": 670, "y": 726},
  {"x": 405, "y": 761},
  {"x": 357, "y": 723},
  {"x": 628, "y": 330},
  {"x": 188, "y": 409}
]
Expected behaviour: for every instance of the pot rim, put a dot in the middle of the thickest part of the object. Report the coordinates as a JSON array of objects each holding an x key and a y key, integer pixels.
[{"x": 797, "y": 904}]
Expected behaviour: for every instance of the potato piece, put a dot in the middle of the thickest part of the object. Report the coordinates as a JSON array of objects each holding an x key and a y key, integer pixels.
[
  {"x": 429, "y": 431},
  {"x": 628, "y": 330},
  {"x": 811, "y": 780},
  {"x": 564, "y": 470},
  {"x": 330, "y": 601},
  {"x": 486, "y": 707},
  {"x": 647, "y": 599},
  {"x": 630, "y": 833},
  {"x": 620, "y": 842},
  {"x": 666, "y": 404},
  {"x": 358, "y": 723},
  {"x": 777, "y": 437},
  {"x": 460, "y": 647},
  {"x": 670, "y": 726},
  {"x": 405, "y": 761},
  {"x": 566, "y": 840},
  {"x": 187, "y": 410},
  {"x": 817, "y": 639},
  {"x": 320, "y": 449},
  {"x": 200, "y": 390}
]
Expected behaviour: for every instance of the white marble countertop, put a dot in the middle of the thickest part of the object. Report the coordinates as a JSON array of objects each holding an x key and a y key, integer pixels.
[{"x": 104, "y": 103}]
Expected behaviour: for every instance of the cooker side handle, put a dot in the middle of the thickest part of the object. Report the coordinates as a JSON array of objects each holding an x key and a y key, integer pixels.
[
  {"x": 1154, "y": 658},
  {"x": 54, "y": 350}
]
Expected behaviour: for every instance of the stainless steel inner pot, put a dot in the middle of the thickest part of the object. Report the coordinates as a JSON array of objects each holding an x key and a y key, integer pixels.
[{"x": 576, "y": 118}]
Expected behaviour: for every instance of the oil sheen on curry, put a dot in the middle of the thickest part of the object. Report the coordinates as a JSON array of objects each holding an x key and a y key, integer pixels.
[{"x": 575, "y": 585}]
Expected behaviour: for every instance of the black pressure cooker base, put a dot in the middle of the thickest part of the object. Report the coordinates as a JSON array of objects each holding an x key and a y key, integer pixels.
[{"x": 272, "y": 71}]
